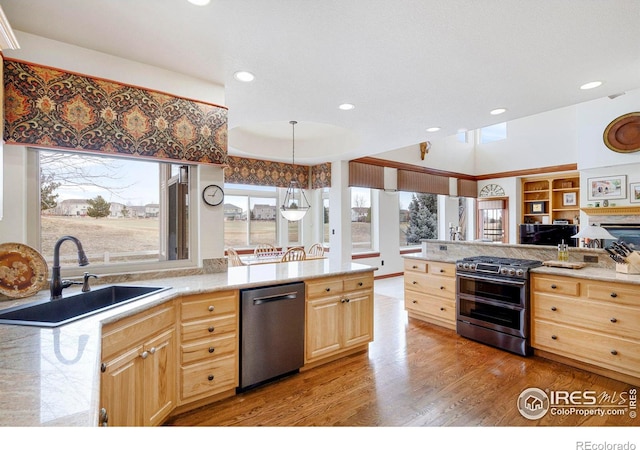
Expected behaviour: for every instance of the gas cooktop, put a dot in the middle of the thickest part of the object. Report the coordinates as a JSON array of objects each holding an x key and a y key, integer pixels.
[{"x": 510, "y": 267}]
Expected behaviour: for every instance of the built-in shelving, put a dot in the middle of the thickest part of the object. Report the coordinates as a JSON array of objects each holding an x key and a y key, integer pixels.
[{"x": 549, "y": 199}]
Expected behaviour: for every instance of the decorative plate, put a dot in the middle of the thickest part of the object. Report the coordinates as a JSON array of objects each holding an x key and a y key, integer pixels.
[
  {"x": 23, "y": 270},
  {"x": 623, "y": 133}
]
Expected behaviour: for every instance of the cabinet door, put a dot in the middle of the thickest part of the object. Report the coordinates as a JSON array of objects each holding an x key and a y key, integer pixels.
[
  {"x": 323, "y": 327},
  {"x": 159, "y": 378},
  {"x": 122, "y": 388},
  {"x": 358, "y": 319}
]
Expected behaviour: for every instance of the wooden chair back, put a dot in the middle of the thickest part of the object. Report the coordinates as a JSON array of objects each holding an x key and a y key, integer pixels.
[
  {"x": 234, "y": 258},
  {"x": 316, "y": 250},
  {"x": 264, "y": 249},
  {"x": 294, "y": 254}
]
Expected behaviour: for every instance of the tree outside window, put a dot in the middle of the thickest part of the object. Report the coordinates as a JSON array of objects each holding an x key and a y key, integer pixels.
[{"x": 420, "y": 218}]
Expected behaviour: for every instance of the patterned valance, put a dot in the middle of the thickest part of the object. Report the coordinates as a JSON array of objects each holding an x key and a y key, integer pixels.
[
  {"x": 321, "y": 176},
  {"x": 50, "y": 108},
  {"x": 257, "y": 172}
]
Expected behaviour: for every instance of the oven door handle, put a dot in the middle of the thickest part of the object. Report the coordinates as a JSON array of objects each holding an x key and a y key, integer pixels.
[{"x": 497, "y": 280}]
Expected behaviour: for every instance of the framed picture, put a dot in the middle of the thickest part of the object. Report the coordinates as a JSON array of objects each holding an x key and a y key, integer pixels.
[
  {"x": 607, "y": 187},
  {"x": 569, "y": 199},
  {"x": 537, "y": 207},
  {"x": 634, "y": 192}
]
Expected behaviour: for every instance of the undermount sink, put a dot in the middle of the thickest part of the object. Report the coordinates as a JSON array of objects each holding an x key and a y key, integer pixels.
[{"x": 53, "y": 313}]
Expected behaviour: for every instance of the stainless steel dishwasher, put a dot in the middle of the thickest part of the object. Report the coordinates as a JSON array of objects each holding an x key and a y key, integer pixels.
[{"x": 272, "y": 333}]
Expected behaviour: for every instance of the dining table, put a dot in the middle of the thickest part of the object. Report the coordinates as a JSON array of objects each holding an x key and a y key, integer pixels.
[{"x": 270, "y": 258}]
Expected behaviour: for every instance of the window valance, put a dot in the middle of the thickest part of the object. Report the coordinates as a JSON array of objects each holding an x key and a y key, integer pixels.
[
  {"x": 366, "y": 175},
  {"x": 467, "y": 188},
  {"x": 425, "y": 183},
  {"x": 51, "y": 108}
]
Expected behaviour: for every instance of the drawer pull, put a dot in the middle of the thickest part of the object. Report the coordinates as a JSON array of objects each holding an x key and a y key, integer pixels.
[
  {"x": 553, "y": 308},
  {"x": 328, "y": 289},
  {"x": 414, "y": 267},
  {"x": 554, "y": 337},
  {"x": 414, "y": 301},
  {"x": 441, "y": 288},
  {"x": 442, "y": 308},
  {"x": 614, "y": 295},
  {"x": 211, "y": 329},
  {"x": 613, "y": 320},
  {"x": 211, "y": 349},
  {"x": 360, "y": 284},
  {"x": 210, "y": 378},
  {"x": 211, "y": 308},
  {"x": 614, "y": 352},
  {"x": 441, "y": 270},
  {"x": 553, "y": 286},
  {"x": 414, "y": 282}
]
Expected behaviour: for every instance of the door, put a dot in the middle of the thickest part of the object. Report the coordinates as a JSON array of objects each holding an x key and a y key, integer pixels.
[
  {"x": 357, "y": 319},
  {"x": 159, "y": 378},
  {"x": 121, "y": 390},
  {"x": 323, "y": 327}
]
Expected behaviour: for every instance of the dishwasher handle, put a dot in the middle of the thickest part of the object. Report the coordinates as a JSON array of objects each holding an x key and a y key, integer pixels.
[{"x": 275, "y": 298}]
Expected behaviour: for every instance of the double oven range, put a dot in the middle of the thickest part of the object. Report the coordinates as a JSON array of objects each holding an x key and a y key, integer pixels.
[{"x": 492, "y": 300}]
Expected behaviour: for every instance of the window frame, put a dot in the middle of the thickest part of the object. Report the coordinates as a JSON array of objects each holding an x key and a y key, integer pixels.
[
  {"x": 249, "y": 192},
  {"x": 373, "y": 217}
]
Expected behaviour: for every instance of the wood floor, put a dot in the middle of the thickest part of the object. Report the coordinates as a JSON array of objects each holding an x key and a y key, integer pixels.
[{"x": 415, "y": 374}]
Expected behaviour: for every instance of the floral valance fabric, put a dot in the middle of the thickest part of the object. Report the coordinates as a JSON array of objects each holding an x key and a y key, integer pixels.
[
  {"x": 50, "y": 108},
  {"x": 257, "y": 172}
]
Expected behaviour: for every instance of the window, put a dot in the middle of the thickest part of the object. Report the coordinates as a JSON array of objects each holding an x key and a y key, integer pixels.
[
  {"x": 124, "y": 211},
  {"x": 493, "y": 133},
  {"x": 325, "y": 217},
  {"x": 418, "y": 217},
  {"x": 250, "y": 215},
  {"x": 492, "y": 220},
  {"x": 361, "y": 238}
]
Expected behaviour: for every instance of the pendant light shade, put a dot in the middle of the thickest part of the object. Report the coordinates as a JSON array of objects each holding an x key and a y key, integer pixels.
[{"x": 295, "y": 204}]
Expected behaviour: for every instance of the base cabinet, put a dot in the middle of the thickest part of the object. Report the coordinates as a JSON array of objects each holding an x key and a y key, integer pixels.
[
  {"x": 339, "y": 316},
  {"x": 138, "y": 369},
  {"x": 591, "y": 322},
  {"x": 430, "y": 291}
]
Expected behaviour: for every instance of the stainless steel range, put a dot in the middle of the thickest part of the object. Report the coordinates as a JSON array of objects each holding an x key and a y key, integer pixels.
[{"x": 492, "y": 299}]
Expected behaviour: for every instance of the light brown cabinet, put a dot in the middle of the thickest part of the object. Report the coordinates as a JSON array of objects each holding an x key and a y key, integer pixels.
[
  {"x": 592, "y": 322},
  {"x": 551, "y": 198},
  {"x": 138, "y": 368},
  {"x": 430, "y": 291},
  {"x": 339, "y": 316},
  {"x": 208, "y": 345}
]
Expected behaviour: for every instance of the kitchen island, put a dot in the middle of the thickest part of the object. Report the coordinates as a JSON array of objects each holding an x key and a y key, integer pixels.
[{"x": 51, "y": 376}]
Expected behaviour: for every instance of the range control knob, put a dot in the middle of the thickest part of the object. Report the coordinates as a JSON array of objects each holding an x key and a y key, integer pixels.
[
  {"x": 520, "y": 273},
  {"x": 466, "y": 265},
  {"x": 503, "y": 270},
  {"x": 472, "y": 266},
  {"x": 459, "y": 265},
  {"x": 512, "y": 272}
]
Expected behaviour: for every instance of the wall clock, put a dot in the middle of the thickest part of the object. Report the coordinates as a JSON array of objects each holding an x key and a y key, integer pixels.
[
  {"x": 213, "y": 195},
  {"x": 491, "y": 190}
]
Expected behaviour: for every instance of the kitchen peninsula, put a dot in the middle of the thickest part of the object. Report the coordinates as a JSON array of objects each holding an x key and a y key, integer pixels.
[{"x": 52, "y": 376}]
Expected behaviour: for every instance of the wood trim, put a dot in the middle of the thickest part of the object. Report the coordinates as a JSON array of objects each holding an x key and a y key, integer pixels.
[
  {"x": 410, "y": 251},
  {"x": 528, "y": 172},
  {"x": 365, "y": 255},
  {"x": 612, "y": 211},
  {"x": 389, "y": 275}
]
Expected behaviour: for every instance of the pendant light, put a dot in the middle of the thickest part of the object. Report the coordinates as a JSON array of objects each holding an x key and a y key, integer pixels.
[{"x": 295, "y": 204}]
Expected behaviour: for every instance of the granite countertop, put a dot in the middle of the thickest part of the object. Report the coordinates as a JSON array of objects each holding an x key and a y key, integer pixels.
[{"x": 51, "y": 376}]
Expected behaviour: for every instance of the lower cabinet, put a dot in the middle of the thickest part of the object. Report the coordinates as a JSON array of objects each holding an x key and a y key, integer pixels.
[
  {"x": 339, "y": 316},
  {"x": 138, "y": 369}
]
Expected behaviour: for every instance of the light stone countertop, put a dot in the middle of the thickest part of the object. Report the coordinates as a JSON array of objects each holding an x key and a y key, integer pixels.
[{"x": 51, "y": 376}]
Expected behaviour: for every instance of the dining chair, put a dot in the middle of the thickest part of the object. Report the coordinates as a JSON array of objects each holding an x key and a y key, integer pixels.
[
  {"x": 316, "y": 250},
  {"x": 234, "y": 258},
  {"x": 263, "y": 250},
  {"x": 294, "y": 254}
]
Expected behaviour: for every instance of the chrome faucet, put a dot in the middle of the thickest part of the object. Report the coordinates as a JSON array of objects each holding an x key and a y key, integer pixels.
[{"x": 57, "y": 284}]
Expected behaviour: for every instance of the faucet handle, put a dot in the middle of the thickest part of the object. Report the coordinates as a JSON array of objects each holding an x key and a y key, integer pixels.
[{"x": 85, "y": 281}]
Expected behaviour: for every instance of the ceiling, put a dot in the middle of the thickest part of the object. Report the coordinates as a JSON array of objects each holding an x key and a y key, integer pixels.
[{"x": 406, "y": 65}]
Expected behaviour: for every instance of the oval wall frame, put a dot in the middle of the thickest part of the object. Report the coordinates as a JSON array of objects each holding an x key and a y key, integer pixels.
[{"x": 622, "y": 135}]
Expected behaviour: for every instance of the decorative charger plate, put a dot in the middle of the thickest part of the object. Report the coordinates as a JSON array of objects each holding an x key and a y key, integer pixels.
[
  {"x": 23, "y": 270},
  {"x": 623, "y": 133}
]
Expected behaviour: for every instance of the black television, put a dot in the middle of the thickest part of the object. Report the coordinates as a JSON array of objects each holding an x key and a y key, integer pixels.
[{"x": 538, "y": 234}]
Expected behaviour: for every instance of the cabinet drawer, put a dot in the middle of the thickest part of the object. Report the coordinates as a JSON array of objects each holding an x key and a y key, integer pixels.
[
  {"x": 597, "y": 316},
  {"x": 613, "y": 293},
  {"x": 556, "y": 285},
  {"x": 125, "y": 333},
  {"x": 414, "y": 265},
  {"x": 437, "y": 307},
  {"x": 442, "y": 269},
  {"x": 441, "y": 287},
  {"x": 208, "y": 328},
  {"x": 595, "y": 348},
  {"x": 214, "y": 348},
  {"x": 415, "y": 281},
  {"x": 358, "y": 282},
  {"x": 209, "y": 305},
  {"x": 328, "y": 286},
  {"x": 209, "y": 377}
]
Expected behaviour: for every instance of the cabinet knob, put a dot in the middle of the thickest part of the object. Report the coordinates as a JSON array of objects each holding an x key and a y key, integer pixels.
[
  {"x": 144, "y": 354},
  {"x": 327, "y": 289},
  {"x": 554, "y": 337},
  {"x": 614, "y": 352},
  {"x": 414, "y": 282},
  {"x": 152, "y": 350},
  {"x": 211, "y": 349},
  {"x": 442, "y": 308},
  {"x": 211, "y": 308},
  {"x": 553, "y": 308},
  {"x": 414, "y": 267},
  {"x": 210, "y": 378},
  {"x": 441, "y": 288},
  {"x": 553, "y": 286},
  {"x": 347, "y": 300},
  {"x": 613, "y": 320},
  {"x": 360, "y": 284},
  {"x": 103, "y": 367},
  {"x": 614, "y": 295},
  {"x": 211, "y": 329},
  {"x": 414, "y": 301},
  {"x": 104, "y": 417},
  {"x": 441, "y": 270}
]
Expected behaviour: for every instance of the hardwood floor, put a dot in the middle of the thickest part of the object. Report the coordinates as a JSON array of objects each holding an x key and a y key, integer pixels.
[{"x": 414, "y": 375}]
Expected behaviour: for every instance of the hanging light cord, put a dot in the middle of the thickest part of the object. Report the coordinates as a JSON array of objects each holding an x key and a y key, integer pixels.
[{"x": 293, "y": 143}]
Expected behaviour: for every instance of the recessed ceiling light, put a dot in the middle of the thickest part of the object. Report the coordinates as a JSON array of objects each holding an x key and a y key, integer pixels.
[
  {"x": 433, "y": 129},
  {"x": 591, "y": 85},
  {"x": 346, "y": 106},
  {"x": 199, "y": 2},
  {"x": 244, "y": 76},
  {"x": 497, "y": 111}
]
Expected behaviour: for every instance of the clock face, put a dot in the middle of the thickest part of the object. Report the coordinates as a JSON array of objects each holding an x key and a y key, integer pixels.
[
  {"x": 492, "y": 190},
  {"x": 213, "y": 195}
]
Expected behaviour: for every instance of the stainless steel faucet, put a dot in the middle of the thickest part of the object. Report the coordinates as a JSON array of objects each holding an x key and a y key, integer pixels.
[{"x": 57, "y": 284}]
